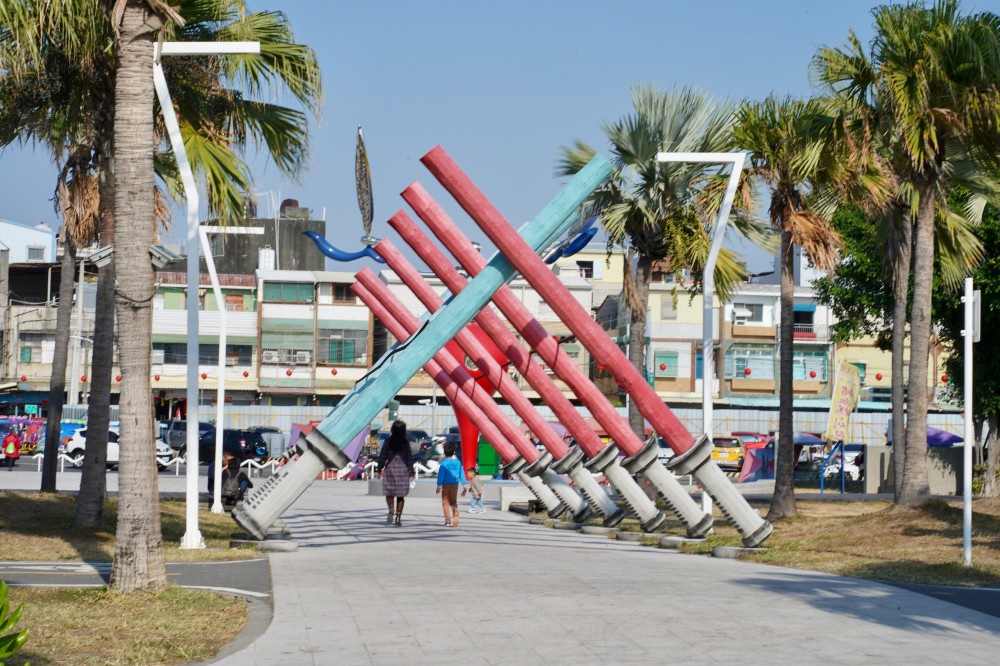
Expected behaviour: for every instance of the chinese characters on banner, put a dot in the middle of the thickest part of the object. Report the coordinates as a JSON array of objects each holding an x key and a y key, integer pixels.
[{"x": 843, "y": 400}]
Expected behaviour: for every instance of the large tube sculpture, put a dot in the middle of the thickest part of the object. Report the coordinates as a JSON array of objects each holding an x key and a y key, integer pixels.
[
  {"x": 402, "y": 324},
  {"x": 601, "y": 458},
  {"x": 323, "y": 445},
  {"x": 487, "y": 364},
  {"x": 589, "y": 444},
  {"x": 692, "y": 457}
]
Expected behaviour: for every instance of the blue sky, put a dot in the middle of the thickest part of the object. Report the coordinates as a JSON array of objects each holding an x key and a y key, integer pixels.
[{"x": 501, "y": 86}]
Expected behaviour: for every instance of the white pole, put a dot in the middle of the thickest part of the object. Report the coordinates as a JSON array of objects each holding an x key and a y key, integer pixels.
[
  {"x": 74, "y": 379},
  {"x": 968, "y": 333},
  {"x": 220, "y": 395},
  {"x": 192, "y": 536},
  {"x": 708, "y": 283}
]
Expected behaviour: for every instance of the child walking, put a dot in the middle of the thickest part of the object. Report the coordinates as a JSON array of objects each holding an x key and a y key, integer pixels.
[
  {"x": 449, "y": 475},
  {"x": 476, "y": 491}
]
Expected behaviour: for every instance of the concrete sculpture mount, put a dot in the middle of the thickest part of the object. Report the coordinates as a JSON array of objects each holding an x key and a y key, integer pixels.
[{"x": 384, "y": 381}]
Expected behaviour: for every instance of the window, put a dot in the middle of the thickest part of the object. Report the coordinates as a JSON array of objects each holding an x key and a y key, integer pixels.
[
  {"x": 667, "y": 310},
  {"x": 806, "y": 363},
  {"x": 342, "y": 346},
  {"x": 586, "y": 269},
  {"x": 234, "y": 302},
  {"x": 862, "y": 367},
  {"x": 699, "y": 366},
  {"x": 759, "y": 359},
  {"x": 36, "y": 254},
  {"x": 288, "y": 292},
  {"x": 665, "y": 364},
  {"x": 33, "y": 345},
  {"x": 747, "y": 312},
  {"x": 330, "y": 293},
  {"x": 803, "y": 321}
]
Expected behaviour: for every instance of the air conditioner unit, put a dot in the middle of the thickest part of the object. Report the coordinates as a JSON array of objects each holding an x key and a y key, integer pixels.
[
  {"x": 270, "y": 356},
  {"x": 231, "y": 360},
  {"x": 303, "y": 357},
  {"x": 158, "y": 355}
]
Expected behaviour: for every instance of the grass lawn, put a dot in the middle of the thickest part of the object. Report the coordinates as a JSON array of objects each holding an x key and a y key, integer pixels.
[
  {"x": 98, "y": 626},
  {"x": 871, "y": 539}
]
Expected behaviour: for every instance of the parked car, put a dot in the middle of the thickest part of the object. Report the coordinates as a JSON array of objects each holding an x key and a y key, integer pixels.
[
  {"x": 751, "y": 440},
  {"x": 175, "y": 433},
  {"x": 244, "y": 444},
  {"x": 421, "y": 444},
  {"x": 666, "y": 453},
  {"x": 76, "y": 446},
  {"x": 728, "y": 452}
]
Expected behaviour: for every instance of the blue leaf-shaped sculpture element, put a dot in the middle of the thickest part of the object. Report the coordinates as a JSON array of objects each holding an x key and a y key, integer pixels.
[
  {"x": 339, "y": 255},
  {"x": 575, "y": 244}
]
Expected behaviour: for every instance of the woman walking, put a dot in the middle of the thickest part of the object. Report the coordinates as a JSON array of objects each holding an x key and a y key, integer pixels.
[{"x": 395, "y": 462}]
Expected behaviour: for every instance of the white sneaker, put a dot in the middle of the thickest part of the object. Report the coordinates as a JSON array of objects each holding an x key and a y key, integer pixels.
[
  {"x": 472, "y": 511},
  {"x": 483, "y": 510}
]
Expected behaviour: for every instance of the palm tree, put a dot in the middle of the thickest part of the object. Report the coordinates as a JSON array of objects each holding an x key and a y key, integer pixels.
[
  {"x": 659, "y": 211},
  {"x": 789, "y": 143},
  {"x": 932, "y": 75},
  {"x": 218, "y": 112}
]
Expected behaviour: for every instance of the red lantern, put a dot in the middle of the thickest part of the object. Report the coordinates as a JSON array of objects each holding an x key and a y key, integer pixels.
[
  {"x": 246, "y": 374},
  {"x": 333, "y": 371},
  {"x": 288, "y": 372},
  {"x": 663, "y": 366},
  {"x": 156, "y": 377},
  {"x": 878, "y": 376},
  {"x": 600, "y": 368},
  {"x": 204, "y": 376},
  {"x": 84, "y": 379},
  {"x": 24, "y": 378},
  {"x": 746, "y": 372},
  {"x": 118, "y": 378},
  {"x": 812, "y": 374},
  {"x": 944, "y": 379}
]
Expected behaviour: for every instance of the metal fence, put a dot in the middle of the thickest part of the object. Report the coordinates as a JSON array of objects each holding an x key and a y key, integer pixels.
[{"x": 865, "y": 427}]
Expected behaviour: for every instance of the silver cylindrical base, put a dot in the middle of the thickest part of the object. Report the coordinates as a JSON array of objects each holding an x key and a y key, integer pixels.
[
  {"x": 553, "y": 506},
  {"x": 262, "y": 508},
  {"x": 697, "y": 461},
  {"x": 647, "y": 464},
  {"x": 574, "y": 502}
]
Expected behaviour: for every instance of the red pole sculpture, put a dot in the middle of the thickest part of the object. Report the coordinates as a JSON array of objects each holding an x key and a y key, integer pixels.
[
  {"x": 602, "y": 458},
  {"x": 486, "y": 359},
  {"x": 691, "y": 457},
  {"x": 514, "y": 463},
  {"x": 402, "y": 324},
  {"x": 588, "y": 443}
]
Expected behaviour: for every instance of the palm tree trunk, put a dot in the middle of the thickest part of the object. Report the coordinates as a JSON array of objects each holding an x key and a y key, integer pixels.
[
  {"x": 914, "y": 487},
  {"x": 637, "y": 336},
  {"x": 57, "y": 382},
  {"x": 93, "y": 480},
  {"x": 138, "y": 561},
  {"x": 783, "y": 502},
  {"x": 900, "y": 292}
]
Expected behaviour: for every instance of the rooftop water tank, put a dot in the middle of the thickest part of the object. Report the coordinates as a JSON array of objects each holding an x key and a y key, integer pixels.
[{"x": 265, "y": 258}]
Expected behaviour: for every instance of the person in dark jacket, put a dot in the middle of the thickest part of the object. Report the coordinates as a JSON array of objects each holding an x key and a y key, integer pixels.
[{"x": 395, "y": 462}]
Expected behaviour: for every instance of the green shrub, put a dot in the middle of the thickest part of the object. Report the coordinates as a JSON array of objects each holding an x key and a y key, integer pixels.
[{"x": 10, "y": 643}]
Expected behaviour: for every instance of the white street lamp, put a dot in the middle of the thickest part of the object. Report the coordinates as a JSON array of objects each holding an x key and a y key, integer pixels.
[
  {"x": 192, "y": 535},
  {"x": 708, "y": 280}
]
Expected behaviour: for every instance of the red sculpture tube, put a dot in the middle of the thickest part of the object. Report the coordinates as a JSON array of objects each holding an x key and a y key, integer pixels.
[
  {"x": 487, "y": 363},
  {"x": 592, "y": 446},
  {"x": 691, "y": 457},
  {"x": 677, "y": 499},
  {"x": 402, "y": 324}
]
